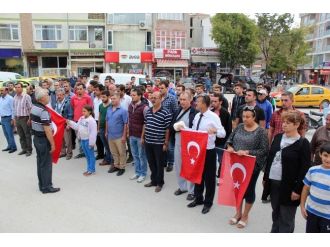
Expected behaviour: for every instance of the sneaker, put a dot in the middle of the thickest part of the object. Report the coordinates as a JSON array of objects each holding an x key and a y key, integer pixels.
[
  {"x": 134, "y": 177},
  {"x": 141, "y": 179},
  {"x": 79, "y": 156},
  {"x": 88, "y": 174},
  {"x": 129, "y": 160},
  {"x": 68, "y": 157}
]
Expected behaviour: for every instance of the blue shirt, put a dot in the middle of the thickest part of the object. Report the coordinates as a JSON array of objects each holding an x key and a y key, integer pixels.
[
  {"x": 116, "y": 121},
  {"x": 7, "y": 106},
  {"x": 318, "y": 201},
  {"x": 268, "y": 110}
]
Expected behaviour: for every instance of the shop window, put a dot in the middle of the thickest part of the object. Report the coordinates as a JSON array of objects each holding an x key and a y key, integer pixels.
[
  {"x": 54, "y": 62},
  {"x": 48, "y": 32},
  {"x": 78, "y": 33},
  {"x": 9, "y": 32}
]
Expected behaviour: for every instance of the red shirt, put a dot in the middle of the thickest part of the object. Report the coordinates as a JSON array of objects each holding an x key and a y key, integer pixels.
[{"x": 78, "y": 103}]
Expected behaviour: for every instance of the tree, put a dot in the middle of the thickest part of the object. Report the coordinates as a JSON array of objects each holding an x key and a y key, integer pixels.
[
  {"x": 282, "y": 47},
  {"x": 236, "y": 37}
]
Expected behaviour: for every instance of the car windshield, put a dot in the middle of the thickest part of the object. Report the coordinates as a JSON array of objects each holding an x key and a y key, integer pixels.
[{"x": 294, "y": 89}]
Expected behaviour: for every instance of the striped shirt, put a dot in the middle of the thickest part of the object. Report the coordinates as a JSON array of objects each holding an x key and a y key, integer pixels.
[
  {"x": 318, "y": 201},
  {"x": 39, "y": 117},
  {"x": 156, "y": 125},
  {"x": 22, "y": 105}
]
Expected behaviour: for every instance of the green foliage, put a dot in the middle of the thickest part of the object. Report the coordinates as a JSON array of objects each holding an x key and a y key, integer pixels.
[{"x": 236, "y": 37}]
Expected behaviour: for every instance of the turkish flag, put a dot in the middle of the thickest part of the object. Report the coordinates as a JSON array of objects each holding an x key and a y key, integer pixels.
[
  {"x": 58, "y": 126},
  {"x": 235, "y": 176},
  {"x": 193, "y": 151}
]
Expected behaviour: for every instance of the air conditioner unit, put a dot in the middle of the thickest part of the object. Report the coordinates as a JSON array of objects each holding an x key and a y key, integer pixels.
[{"x": 142, "y": 25}]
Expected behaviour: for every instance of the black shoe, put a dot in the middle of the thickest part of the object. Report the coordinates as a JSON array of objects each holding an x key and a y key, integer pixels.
[
  {"x": 12, "y": 151},
  {"x": 79, "y": 156},
  {"x": 22, "y": 152},
  {"x": 190, "y": 197},
  {"x": 179, "y": 192},
  {"x": 50, "y": 190},
  {"x": 98, "y": 157},
  {"x": 149, "y": 184},
  {"x": 113, "y": 169},
  {"x": 169, "y": 168},
  {"x": 129, "y": 160},
  {"x": 6, "y": 149},
  {"x": 194, "y": 204},
  {"x": 28, "y": 154},
  {"x": 206, "y": 209},
  {"x": 120, "y": 172}
]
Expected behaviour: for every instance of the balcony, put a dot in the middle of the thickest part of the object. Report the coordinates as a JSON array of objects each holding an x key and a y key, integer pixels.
[{"x": 309, "y": 36}]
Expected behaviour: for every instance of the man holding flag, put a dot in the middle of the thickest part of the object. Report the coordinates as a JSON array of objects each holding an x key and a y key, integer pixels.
[
  {"x": 43, "y": 141},
  {"x": 208, "y": 121}
]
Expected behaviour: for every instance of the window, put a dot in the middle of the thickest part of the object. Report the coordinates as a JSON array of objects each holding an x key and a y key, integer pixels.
[
  {"x": 148, "y": 41},
  {"x": 8, "y": 32},
  {"x": 170, "y": 39},
  {"x": 126, "y": 18},
  {"x": 191, "y": 33},
  {"x": 191, "y": 21},
  {"x": 98, "y": 34},
  {"x": 54, "y": 62},
  {"x": 170, "y": 16},
  {"x": 48, "y": 32},
  {"x": 110, "y": 40},
  {"x": 317, "y": 90},
  {"x": 303, "y": 91},
  {"x": 78, "y": 33}
]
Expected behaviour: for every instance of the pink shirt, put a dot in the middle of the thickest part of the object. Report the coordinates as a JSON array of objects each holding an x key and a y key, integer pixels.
[{"x": 78, "y": 103}]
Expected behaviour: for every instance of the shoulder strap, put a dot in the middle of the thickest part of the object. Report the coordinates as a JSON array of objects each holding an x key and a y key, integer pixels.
[{"x": 179, "y": 117}]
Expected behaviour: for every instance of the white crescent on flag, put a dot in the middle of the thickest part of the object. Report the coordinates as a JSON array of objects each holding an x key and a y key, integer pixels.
[
  {"x": 240, "y": 167},
  {"x": 54, "y": 127},
  {"x": 193, "y": 144}
]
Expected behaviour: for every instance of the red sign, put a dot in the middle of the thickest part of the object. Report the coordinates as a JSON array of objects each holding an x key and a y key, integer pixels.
[
  {"x": 111, "y": 57},
  {"x": 128, "y": 57},
  {"x": 193, "y": 146},
  {"x": 172, "y": 53}
]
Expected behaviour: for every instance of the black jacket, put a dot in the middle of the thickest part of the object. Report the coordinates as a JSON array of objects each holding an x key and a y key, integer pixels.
[
  {"x": 296, "y": 160},
  {"x": 192, "y": 114},
  {"x": 226, "y": 123}
]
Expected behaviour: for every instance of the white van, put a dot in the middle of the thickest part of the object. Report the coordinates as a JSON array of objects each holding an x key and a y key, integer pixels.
[
  {"x": 122, "y": 78},
  {"x": 8, "y": 76}
]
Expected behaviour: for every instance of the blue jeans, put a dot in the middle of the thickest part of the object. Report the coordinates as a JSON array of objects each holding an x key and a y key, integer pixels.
[
  {"x": 89, "y": 153},
  {"x": 139, "y": 156},
  {"x": 108, "y": 157},
  {"x": 8, "y": 131},
  {"x": 170, "y": 152}
]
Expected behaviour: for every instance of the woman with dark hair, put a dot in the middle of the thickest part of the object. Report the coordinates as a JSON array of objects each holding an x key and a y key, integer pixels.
[
  {"x": 287, "y": 163},
  {"x": 248, "y": 139}
]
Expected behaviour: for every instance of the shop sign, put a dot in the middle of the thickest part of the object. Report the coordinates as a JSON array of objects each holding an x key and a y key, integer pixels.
[
  {"x": 201, "y": 51},
  {"x": 86, "y": 53},
  {"x": 129, "y": 57},
  {"x": 171, "y": 53}
]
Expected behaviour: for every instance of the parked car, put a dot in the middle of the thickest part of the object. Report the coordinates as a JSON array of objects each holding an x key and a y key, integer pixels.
[
  {"x": 307, "y": 96},
  {"x": 8, "y": 76}
]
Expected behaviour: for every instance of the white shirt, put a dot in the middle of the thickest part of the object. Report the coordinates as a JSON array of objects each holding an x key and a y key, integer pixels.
[
  {"x": 210, "y": 120},
  {"x": 97, "y": 102},
  {"x": 125, "y": 102}
]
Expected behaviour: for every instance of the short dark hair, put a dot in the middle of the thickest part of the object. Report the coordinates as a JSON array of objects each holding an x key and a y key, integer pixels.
[
  {"x": 288, "y": 93},
  {"x": 165, "y": 83},
  {"x": 199, "y": 85},
  {"x": 133, "y": 77},
  {"x": 93, "y": 83},
  {"x": 268, "y": 88},
  {"x": 219, "y": 96},
  {"x": 206, "y": 99},
  {"x": 325, "y": 147},
  {"x": 106, "y": 93},
  {"x": 121, "y": 87},
  {"x": 253, "y": 91},
  {"x": 183, "y": 87},
  {"x": 138, "y": 91},
  {"x": 81, "y": 84},
  {"x": 99, "y": 86},
  {"x": 10, "y": 82},
  {"x": 239, "y": 85},
  {"x": 19, "y": 83}
]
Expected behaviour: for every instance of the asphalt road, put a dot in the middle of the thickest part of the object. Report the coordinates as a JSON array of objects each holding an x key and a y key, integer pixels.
[{"x": 107, "y": 203}]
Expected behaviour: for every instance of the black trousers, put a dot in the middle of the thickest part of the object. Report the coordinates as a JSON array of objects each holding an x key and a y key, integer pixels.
[
  {"x": 208, "y": 179},
  {"x": 99, "y": 146},
  {"x": 155, "y": 156},
  {"x": 44, "y": 162},
  {"x": 317, "y": 224}
]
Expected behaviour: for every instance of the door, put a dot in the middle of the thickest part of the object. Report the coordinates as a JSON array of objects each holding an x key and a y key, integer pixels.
[
  {"x": 317, "y": 96},
  {"x": 302, "y": 97}
]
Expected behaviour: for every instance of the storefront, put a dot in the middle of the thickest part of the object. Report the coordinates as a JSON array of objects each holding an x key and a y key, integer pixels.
[
  {"x": 132, "y": 62},
  {"x": 86, "y": 62},
  {"x": 204, "y": 62},
  {"x": 171, "y": 63},
  {"x": 11, "y": 60}
]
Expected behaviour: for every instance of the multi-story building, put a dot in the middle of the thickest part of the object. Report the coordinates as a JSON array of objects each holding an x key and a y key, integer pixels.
[
  {"x": 129, "y": 43},
  {"x": 10, "y": 43},
  {"x": 319, "y": 42}
]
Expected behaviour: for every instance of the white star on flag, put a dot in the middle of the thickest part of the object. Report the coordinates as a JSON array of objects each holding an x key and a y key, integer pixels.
[
  {"x": 192, "y": 161},
  {"x": 236, "y": 185}
]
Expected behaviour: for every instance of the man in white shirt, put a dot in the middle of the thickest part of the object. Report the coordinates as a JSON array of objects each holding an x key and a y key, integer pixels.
[
  {"x": 97, "y": 101},
  {"x": 207, "y": 120},
  {"x": 125, "y": 100}
]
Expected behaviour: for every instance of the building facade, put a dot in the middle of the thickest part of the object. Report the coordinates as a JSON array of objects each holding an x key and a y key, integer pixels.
[{"x": 319, "y": 42}]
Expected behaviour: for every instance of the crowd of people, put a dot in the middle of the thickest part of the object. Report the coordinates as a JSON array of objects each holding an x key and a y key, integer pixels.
[{"x": 134, "y": 123}]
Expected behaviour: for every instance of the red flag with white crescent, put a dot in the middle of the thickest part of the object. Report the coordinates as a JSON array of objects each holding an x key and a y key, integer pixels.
[
  {"x": 193, "y": 152},
  {"x": 235, "y": 176},
  {"x": 58, "y": 126}
]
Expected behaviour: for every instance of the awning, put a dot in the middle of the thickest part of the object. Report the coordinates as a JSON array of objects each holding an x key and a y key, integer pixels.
[
  {"x": 205, "y": 59},
  {"x": 324, "y": 72},
  {"x": 10, "y": 53},
  {"x": 167, "y": 63}
]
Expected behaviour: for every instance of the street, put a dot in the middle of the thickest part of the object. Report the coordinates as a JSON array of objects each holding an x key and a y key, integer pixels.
[{"x": 107, "y": 203}]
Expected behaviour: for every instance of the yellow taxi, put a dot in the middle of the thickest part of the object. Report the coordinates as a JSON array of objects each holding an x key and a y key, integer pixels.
[{"x": 306, "y": 95}]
